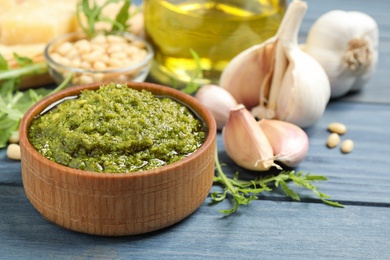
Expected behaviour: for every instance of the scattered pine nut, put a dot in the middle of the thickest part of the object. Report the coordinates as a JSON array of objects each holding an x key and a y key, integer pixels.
[
  {"x": 337, "y": 127},
  {"x": 347, "y": 146},
  {"x": 333, "y": 140},
  {"x": 13, "y": 151},
  {"x": 13, "y": 139}
]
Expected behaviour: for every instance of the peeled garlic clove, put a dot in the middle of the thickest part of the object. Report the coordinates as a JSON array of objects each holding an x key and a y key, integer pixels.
[
  {"x": 289, "y": 142},
  {"x": 218, "y": 101},
  {"x": 346, "y": 45},
  {"x": 245, "y": 142}
]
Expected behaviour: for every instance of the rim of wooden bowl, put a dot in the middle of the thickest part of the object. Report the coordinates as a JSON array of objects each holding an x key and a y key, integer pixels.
[{"x": 156, "y": 89}]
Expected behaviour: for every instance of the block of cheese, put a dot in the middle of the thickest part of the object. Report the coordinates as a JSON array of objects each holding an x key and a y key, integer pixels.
[
  {"x": 37, "y": 22},
  {"x": 6, "y": 5},
  {"x": 32, "y": 51}
]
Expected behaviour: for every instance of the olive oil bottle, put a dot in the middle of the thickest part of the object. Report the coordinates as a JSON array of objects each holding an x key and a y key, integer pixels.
[{"x": 216, "y": 30}]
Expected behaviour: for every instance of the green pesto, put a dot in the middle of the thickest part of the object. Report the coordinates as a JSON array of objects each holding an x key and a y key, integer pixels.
[{"x": 117, "y": 129}]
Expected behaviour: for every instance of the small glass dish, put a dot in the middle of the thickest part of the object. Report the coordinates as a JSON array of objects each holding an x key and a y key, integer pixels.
[{"x": 119, "y": 57}]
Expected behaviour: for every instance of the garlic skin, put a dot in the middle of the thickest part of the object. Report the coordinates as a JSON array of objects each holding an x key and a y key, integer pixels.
[
  {"x": 276, "y": 79},
  {"x": 218, "y": 101},
  {"x": 304, "y": 92},
  {"x": 245, "y": 72},
  {"x": 245, "y": 142},
  {"x": 346, "y": 45},
  {"x": 289, "y": 142}
]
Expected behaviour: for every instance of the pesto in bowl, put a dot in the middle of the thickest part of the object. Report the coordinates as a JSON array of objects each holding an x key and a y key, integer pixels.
[{"x": 117, "y": 129}]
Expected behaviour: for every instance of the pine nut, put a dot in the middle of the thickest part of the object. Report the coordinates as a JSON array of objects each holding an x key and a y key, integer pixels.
[
  {"x": 83, "y": 46},
  {"x": 99, "y": 39},
  {"x": 98, "y": 47},
  {"x": 64, "y": 48},
  {"x": 115, "y": 48},
  {"x": 115, "y": 63},
  {"x": 333, "y": 140},
  {"x": 131, "y": 49},
  {"x": 338, "y": 128},
  {"x": 14, "y": 138},
  {"x": 99, "y": 53},
  {"x": 56, "y": 57},
  {"x": 139, "y": 44},
  {"x": 13, "y": 151},
  {"x": 98, "y": 77},
  {"x": 65, "y": 61},
  {"x": 85, "y": 65},
  {"x": 347, "y": 146},
  {"x": 127, "y": 62},
  {"x": 115, "y": 39},
  {"x": 92, "y": 56},
  {"x": 99, "y": 65},
  {"x": 75, "y": 63},
  {"x": 85, "y": 79},
  {"x": 118, "y": 55},
  {"x": 72, "y": 54}
]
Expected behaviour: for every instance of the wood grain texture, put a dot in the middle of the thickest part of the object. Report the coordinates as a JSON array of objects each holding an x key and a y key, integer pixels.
[
  {"x": 264, "y": 229},
  {"x": 272, "y": 227},
  {"x": 118, "y": 204}
]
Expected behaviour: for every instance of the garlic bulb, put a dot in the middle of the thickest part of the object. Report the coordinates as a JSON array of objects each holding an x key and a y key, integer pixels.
[
  {"x": 218, "y": 101},
  {"x": 245, "y": 142},
  {"x": 290, "y": 143},
  {"x": 276, "y": 79},
  {"x": 346, "y": 45}
]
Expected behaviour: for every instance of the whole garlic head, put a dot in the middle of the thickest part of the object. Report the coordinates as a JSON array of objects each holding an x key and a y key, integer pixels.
[
  {"x": 346, "y": 45},
  {"x": 276, "y": 79}
]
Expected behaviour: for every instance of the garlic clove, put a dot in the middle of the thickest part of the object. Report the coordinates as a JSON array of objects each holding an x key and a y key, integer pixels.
[
  {"x": 290, "y": 85},
  {"x": 306, "y": 91},
  {"x": 289, "y": 142},
  {"x": 346, "y": 45},
  {"x": 242, "y": 76},
  {"x": 218, "y": 101},
  {"x": 245, "y": 142}
]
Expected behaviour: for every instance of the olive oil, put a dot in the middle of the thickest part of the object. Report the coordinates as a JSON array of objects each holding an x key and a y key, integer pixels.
[{"x": 215, "y": 30}]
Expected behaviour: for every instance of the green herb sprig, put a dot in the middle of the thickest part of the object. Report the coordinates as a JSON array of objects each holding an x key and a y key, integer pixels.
[
  {"x": 93, "y": 13},
  {"x": 243, "y": 192},
  {"x": 192, "y": 86},
  {"x": 15, "y": 103}
]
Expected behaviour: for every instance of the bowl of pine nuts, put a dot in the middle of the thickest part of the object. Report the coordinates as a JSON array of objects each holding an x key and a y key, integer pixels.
[{"x": 119, "y": 57}]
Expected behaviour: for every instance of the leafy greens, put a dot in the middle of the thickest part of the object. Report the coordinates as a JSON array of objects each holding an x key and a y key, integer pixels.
[
  {"x": 243, "y": 192},
  {"x": 15, "y": 103},
  {"x": 93, "y": 13}
]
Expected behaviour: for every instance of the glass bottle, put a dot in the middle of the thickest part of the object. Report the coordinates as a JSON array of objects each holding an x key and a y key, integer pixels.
[{"x": 216, "y": 30}]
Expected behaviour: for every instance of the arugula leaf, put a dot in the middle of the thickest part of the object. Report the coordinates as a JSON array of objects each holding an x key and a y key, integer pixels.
[
  {"x": 192, "y": 86},
  {"x": 3, "y": 63},
  {"x": 94, "y": 13},
  {"x": 120, "y": 22},
  {"x": 15, "y": 103},
  {"x": 22, "y": 61},
  {"x": 31, "y": 69},
  {"x": 243, "y": 192}
]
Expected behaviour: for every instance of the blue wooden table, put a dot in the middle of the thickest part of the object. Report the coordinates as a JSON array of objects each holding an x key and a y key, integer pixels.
[{"x": 272, "y": 227}]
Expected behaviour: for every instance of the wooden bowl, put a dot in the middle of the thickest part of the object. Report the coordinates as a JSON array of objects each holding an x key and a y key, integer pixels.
[{"x": 121, "y": 203}]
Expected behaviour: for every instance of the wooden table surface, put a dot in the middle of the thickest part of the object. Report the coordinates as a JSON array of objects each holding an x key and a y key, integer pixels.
[{"x": 272, "y": 227}]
